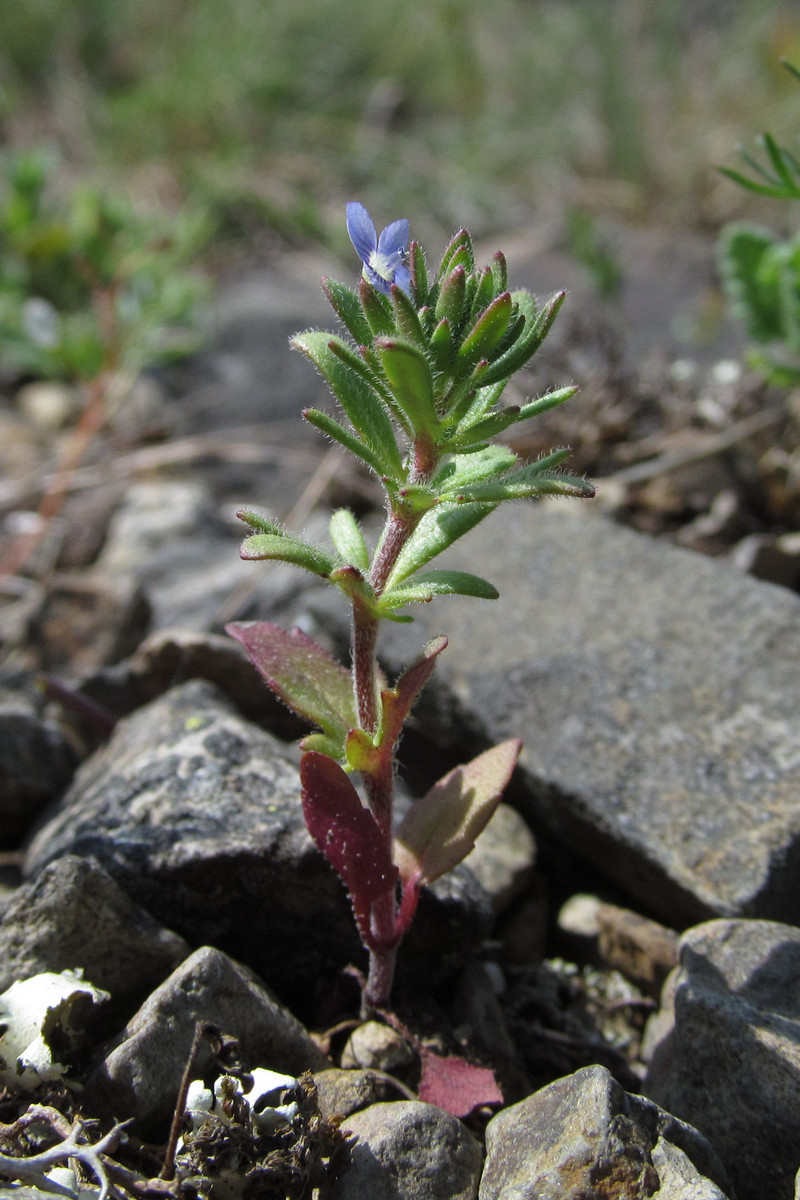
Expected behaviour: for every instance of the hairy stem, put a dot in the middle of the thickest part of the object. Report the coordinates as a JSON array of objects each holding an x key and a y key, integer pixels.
[{"x": 379, "y": 785}]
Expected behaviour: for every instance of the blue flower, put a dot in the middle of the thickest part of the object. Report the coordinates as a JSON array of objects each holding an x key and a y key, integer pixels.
[{"x": 384, "y": 257}]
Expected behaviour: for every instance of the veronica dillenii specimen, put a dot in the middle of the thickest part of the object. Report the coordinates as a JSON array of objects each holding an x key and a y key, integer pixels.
[{"x": 420, "y": 381}]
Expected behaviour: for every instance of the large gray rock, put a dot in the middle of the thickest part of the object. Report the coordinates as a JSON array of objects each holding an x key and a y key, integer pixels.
[
  {"x": 407, "y": 1150},
  {"x": 196, "y": 813},
  {"x": 585, "y": 1138},
  {"x": 142, "y": 1070},
  {"x": 657, "y": 694},
  {"x": 75, "y": 915},
  {"x": 725, "y": 1049}
]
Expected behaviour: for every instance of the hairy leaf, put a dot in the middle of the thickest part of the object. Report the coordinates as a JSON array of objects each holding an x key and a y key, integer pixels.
[
  {"x": 439, "y": 830},
  {"x": 457, "y": 1086},
  {"x": 348, "y": 539},
  {"x": 487, "y": 332},
  {"x": 409, "y": 373},
  {"x": 332, "y": 429},
  {"x": 437, "y": 530},
  {"x": 347, "y": 306},
  {"x": 357, "y": 397},
  {"x": 529, "y": 340},
  {"x": 287, "y": 549},
  {"x": 302, "y": 674},
  {"x": 345, "y": 831},
  {"x": 474, "y": 468},
  {"x": 421, "y": 588}
]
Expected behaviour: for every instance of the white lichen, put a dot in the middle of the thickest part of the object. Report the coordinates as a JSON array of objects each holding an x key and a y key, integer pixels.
[{"x": 33, "y": 1012}]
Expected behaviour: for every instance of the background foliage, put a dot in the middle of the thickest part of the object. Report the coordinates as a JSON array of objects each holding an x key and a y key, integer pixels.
[{"x": 469, "y": 111}]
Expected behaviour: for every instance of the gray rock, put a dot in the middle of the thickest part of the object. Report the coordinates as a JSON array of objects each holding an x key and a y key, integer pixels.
[
  {"x": 375, "y": 1046},
  {"x": 724, "y": 1051},
  {"x": 341, "y": 1092},
  {"x": 585, "y": 1138},
  {"x": 657, "y": 695},
  {"x": 36, "y": 764},
  {"x": 183, "y": 548},
  {"x": 504, "y": 857},
  {"x": 409, "y": 1151},
  {"x": 196, "y": 813},
  {"x": 75, "y": 915},
  {"x": 169, "y": 536},
  {"x": 142, "y": 1070}
]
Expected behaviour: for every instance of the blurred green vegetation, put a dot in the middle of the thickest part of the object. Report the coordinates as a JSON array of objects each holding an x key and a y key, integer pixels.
[{"x": 272, "y": 112}]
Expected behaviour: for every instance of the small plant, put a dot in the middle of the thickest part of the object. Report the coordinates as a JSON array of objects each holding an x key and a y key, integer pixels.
[
  {"x": 88, "y": 284},
  {"x": 760, "y": 270},
  {"x": 420, "y": 381},
  {"x": 91, "y": 292}
]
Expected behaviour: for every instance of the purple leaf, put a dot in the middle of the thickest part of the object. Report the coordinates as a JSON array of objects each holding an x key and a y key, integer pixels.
[
  {"x": 302, "y": 675},
  {"x": 345, "y": 831},
  {"x": 397, "y": 701},
  {"x": 457, "y": 1086},
  {"x": 439, "y": 830}
]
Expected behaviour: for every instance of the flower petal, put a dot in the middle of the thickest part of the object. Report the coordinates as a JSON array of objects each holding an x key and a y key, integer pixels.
[
  {"x": 361, "y": 230},
  {"x": 394, "y": 239},
  {"x": 402, "y": 277},
  {"x": 378, "y": 282}
]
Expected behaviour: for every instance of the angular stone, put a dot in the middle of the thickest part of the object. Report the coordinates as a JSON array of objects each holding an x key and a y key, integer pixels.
[
  {"x": 407, "y": 1150},
  {"x": 342, "y": 1092},
  {"x": 640, "y": 949},
  {"x": 142, "y": 1070},
  {"x": 656, "y": 692},
  {"x": 196, "y": 814},
  {"x": 504, "y": 857},
  {"x": 585, "y": 1138},
  {"x": 724, "y": 1051},
  {"x": 375, "y": 1046},
  {"x": 74, "y": 915},
  {"x": 36, "y": 764}
]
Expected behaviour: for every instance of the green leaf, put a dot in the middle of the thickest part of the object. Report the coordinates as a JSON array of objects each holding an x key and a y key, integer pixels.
[
  {"x": 546, "y": 402},
  {"x": 753, "y": 286},
  {"x": 259, "y": 521},
  {"x": 499, "y": 271},
  {"x": 358, "y": 398},
  {"x": 450, "y": 303},
  {"x": 489, "y": 427},
  {"x": 303, "y": 675},
  {"x": 439, "y": 831},
  {"x": 487, "y": 332},
  {"x": 407, "y": 322},
  {"x": 287, "y": 549},
  {"x": 347, "y": 306},
  {"x": 409, "y": 374},
  {"x": 419, "y": 274},
  {"x": 527, "y": 489},
  {"x": 437, "y": 530},
  {"x": 458, "y": 253},
  {"x": 422, "y": 588},
  {"x": 529, "y": 340},
  {"x": 485, "y": 292},
  {"x": 464, "y": 469},
  {"x": 441, "y": 346},
  {"x": 348, "y": 539},
  {"x": 332, "y": 429},
  {"x": 377, "y": 309}
]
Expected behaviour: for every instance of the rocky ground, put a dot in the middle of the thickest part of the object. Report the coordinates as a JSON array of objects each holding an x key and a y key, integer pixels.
[{"x": 622, "y": 948}]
